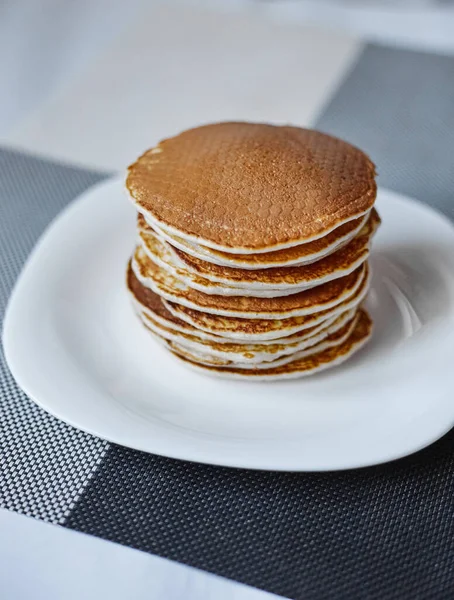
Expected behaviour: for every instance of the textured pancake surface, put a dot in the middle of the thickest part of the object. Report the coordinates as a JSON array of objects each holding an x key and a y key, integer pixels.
[
  {"x": 253, "y": 240},
  {"x": 251, "y": 187}
]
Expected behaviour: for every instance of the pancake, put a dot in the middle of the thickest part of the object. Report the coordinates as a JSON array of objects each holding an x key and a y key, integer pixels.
[
  {"x": 250, "y": 188},
  {"x": 306, "y": 302},
  {"x": 146, "y": 302},
  {"x": 338, "y": 264},
  {"x": 206, "y": 358},
  {"x": 243, "y": 353},
  {"x": 297, "y": 255},
  {"x": 278, "y": 281},
  {"x": 261, "y": 329},
  {"x": 301, "y": 367}
]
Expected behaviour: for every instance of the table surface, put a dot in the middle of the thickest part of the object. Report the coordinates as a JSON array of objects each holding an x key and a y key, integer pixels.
[{"x": 150, "y": 71}]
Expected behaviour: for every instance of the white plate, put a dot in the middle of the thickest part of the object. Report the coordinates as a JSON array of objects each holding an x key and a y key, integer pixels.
[{"x": 76, "y": 348}]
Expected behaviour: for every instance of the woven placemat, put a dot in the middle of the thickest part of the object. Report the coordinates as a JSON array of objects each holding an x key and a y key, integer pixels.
[{"x": 380, "y": 533}]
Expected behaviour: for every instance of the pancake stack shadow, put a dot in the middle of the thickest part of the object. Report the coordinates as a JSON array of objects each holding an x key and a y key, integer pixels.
[{"x": 252, "y": 250}]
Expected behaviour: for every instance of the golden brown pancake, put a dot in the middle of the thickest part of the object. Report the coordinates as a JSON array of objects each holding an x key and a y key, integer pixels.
[
  {"x": 208, "y": 358},
  {"x": 342, "y": 262},
  {"x": 148, "y": 299},
  {"x": 252, "y": 187},
  {"x": 150, "y": 305},
  {"x": 264, "y": 283},
  {"x": 240, "y": 352},
  {"x": 261, "y": 329},
  {"x": 301, "y": 367},
  {"x": 301, "y": 254},
  {"x": 306, "y": 302}
]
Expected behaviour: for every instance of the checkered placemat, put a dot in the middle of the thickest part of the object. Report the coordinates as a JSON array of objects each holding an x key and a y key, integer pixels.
[{"x": 380, "y": 533}]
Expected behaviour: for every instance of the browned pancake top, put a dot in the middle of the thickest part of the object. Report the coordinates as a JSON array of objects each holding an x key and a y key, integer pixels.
[{"x": 251, "y": 185}]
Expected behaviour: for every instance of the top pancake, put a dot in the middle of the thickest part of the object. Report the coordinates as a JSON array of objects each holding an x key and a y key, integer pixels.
[{"x": 249, "y": 187}]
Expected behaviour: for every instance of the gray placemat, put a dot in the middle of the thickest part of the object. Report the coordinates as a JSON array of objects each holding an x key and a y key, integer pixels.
[
  {"x": 399, "y": 106},
  {"x": 380, "y": 533},
  {"x": 44, "y": 464}
]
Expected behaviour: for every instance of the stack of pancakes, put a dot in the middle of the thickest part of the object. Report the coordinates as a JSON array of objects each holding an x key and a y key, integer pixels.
[{"x": 252, "y": 248}]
